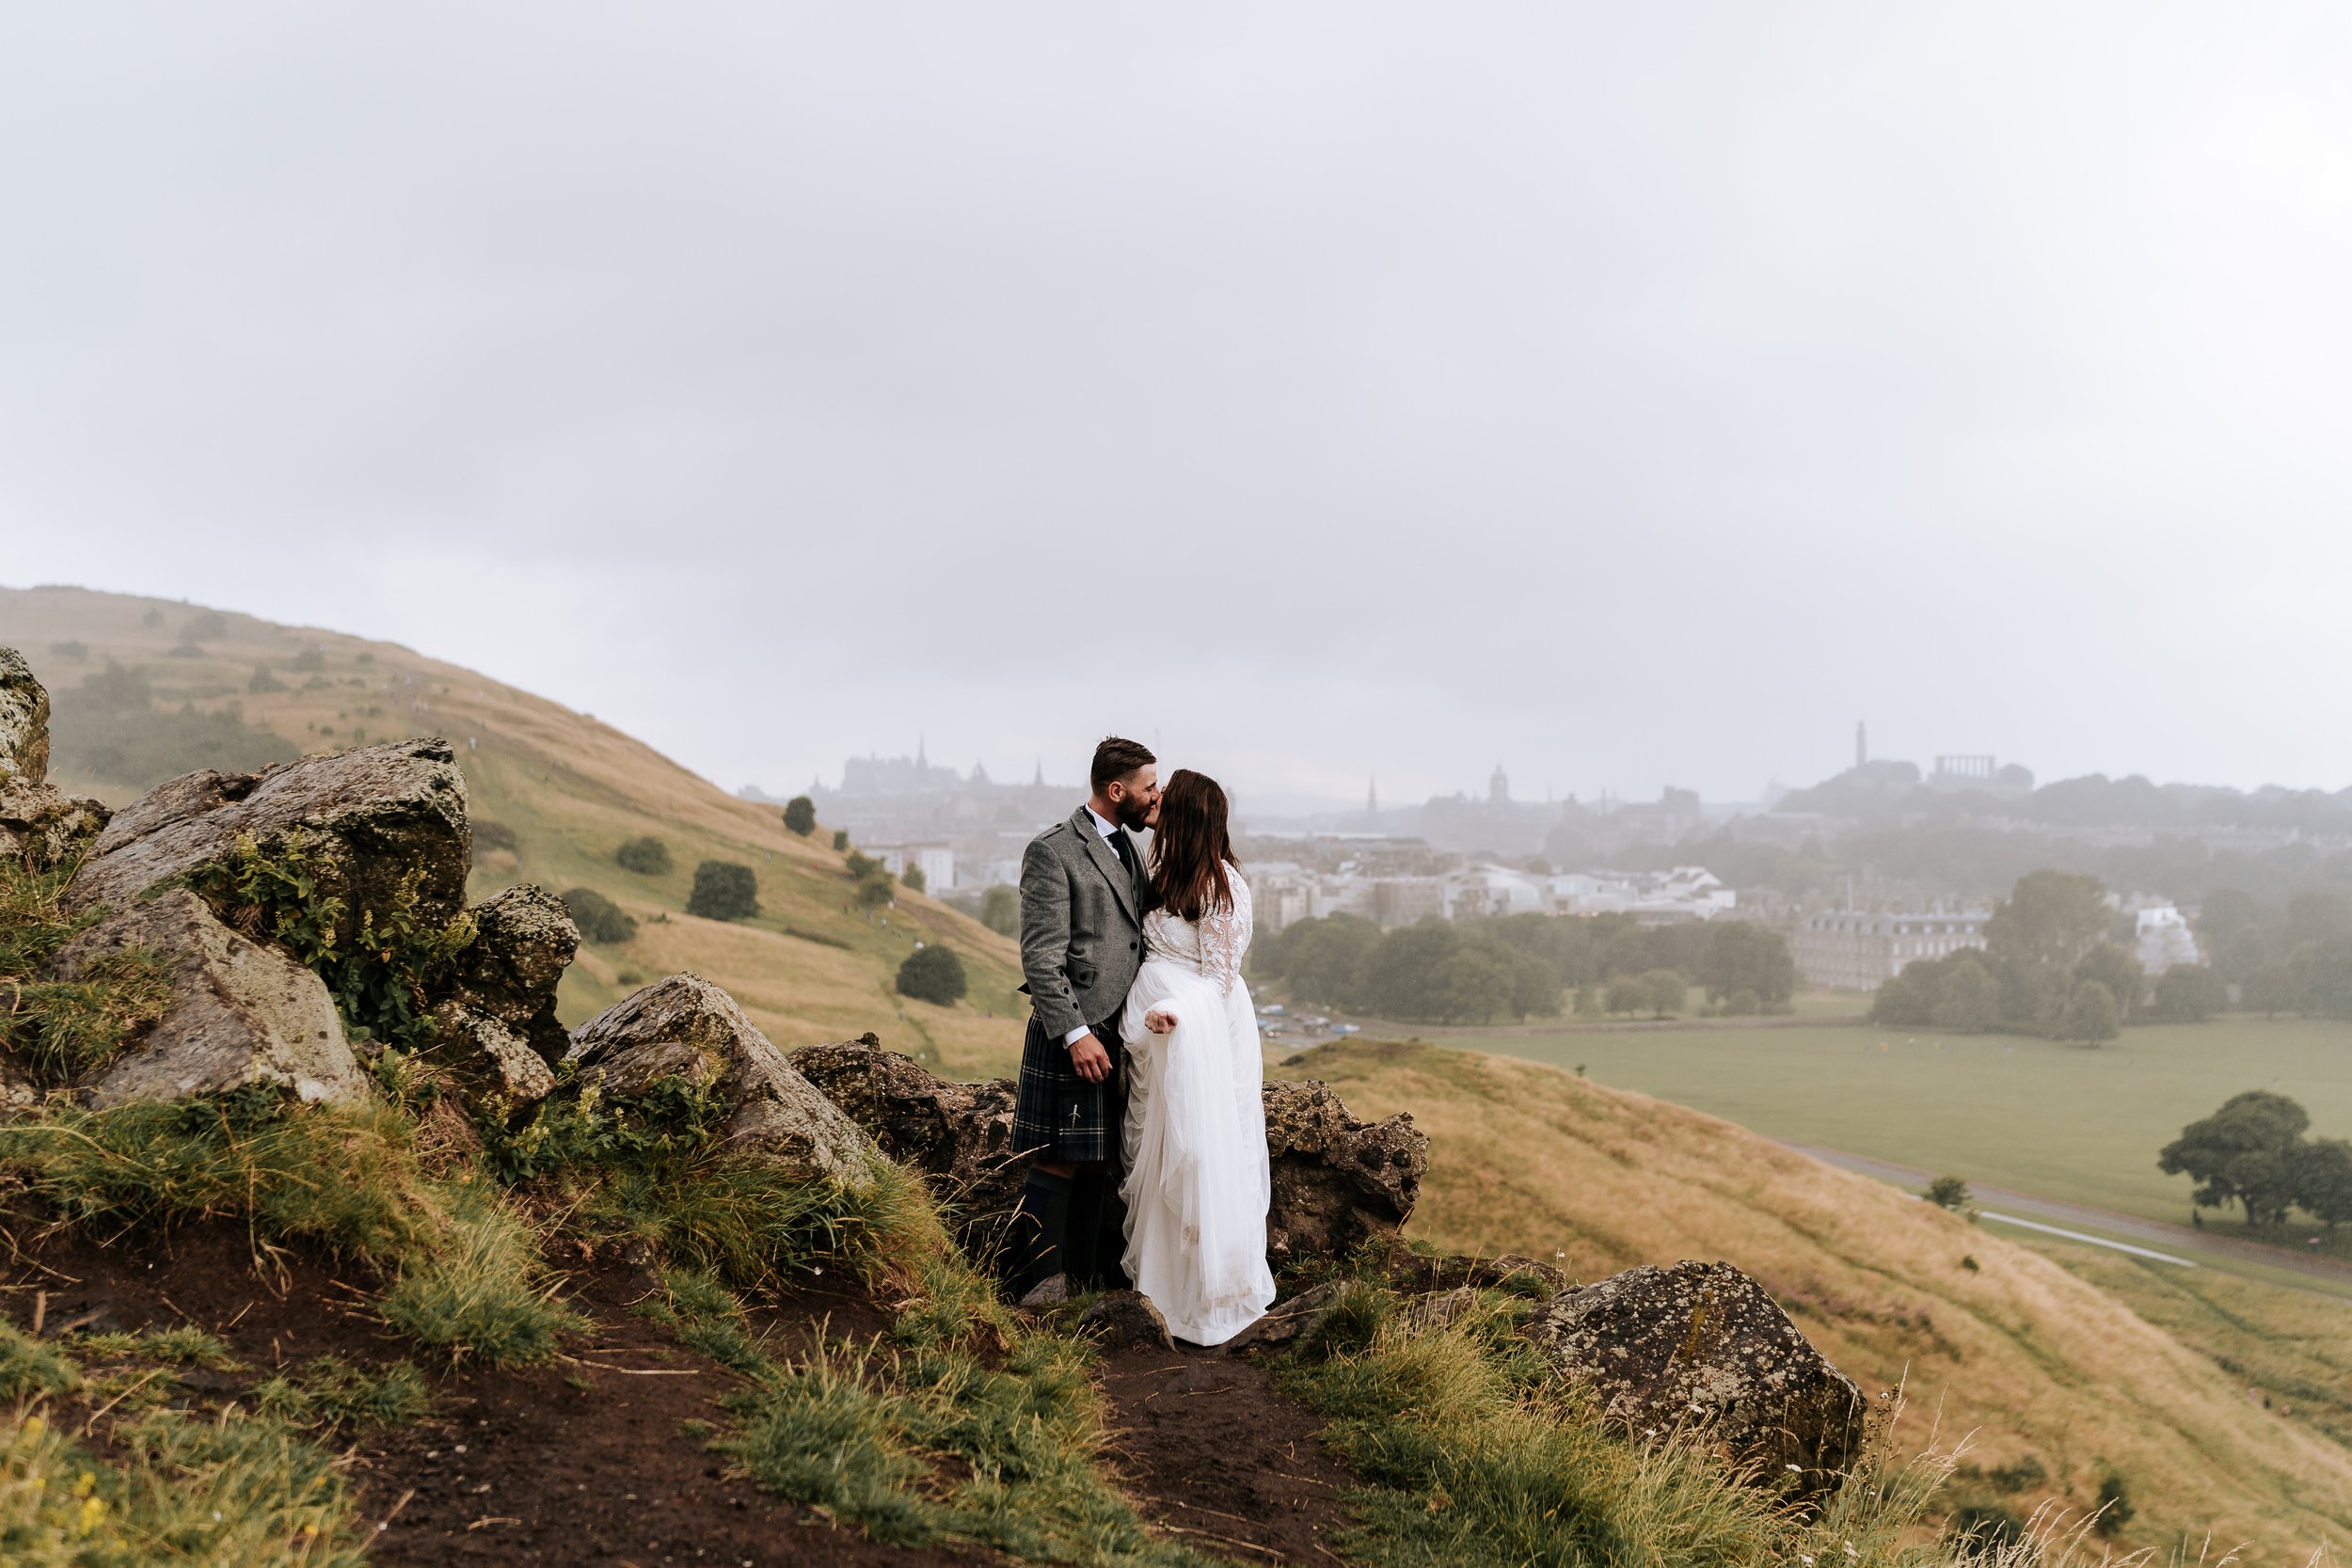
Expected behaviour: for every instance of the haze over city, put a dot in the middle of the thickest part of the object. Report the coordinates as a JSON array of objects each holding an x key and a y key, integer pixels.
[{"x": 1634, "y": 398}]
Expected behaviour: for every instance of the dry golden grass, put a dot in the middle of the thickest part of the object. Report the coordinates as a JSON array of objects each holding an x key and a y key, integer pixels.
[
  {"x": 573, "y": 788},
  {"x": 1526, "y": 1158}
]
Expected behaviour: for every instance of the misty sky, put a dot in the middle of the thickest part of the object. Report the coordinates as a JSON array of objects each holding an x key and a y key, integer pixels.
[{"x": 1637, "y": 395}]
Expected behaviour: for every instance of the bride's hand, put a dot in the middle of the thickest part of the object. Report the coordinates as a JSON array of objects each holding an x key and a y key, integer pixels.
[{"x": 1159, "y": 1022}]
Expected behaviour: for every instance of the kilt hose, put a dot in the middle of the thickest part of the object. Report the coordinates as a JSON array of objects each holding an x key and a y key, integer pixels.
[{"x": 1074, "y": 1224}]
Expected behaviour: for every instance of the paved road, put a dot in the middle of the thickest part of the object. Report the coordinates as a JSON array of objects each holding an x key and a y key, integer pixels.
[{"x": 2193, "y": 1241}]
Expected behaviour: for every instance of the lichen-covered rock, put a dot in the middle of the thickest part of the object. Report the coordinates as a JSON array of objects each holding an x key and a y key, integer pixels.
[
  {"x": 959, "y": 1136},
  {"x": 497, "y": 1025},
  {"x": 41, "y": 826},
  {"x": 23, "y": 722},
  {"x": 686, "y": 1028},
  {"x": 1704, "y": 1346},
  {"x": 1337, "y": 1181},
  {"x": 374, "y": 817},
  {"x": 239, "y": 1013}
]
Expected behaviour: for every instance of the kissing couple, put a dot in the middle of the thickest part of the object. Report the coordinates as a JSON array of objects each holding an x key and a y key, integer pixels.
[{"x": 1141, "y": 1084}]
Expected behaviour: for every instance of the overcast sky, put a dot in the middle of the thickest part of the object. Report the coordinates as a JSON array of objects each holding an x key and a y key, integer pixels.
[{"x": 1633, "y": 395}]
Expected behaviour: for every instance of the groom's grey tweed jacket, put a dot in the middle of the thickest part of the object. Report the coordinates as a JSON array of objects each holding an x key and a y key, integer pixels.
[{"x": 1081, "y": 945}]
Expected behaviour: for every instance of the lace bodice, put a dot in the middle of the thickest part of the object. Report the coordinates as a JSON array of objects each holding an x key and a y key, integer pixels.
[{"x": 1213, "y": 946}]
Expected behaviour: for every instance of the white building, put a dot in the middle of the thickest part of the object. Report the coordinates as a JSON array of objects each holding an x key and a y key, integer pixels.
[
  {"x": 1863, "y": 949},
  {"x": 1655, "y": 897},
  {"x": 2164, "y": 940},
  {"x": 937, "y": 863}
]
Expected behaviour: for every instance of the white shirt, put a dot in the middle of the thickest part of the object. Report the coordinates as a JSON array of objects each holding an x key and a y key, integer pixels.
[{"x": 1105, "y": 827}]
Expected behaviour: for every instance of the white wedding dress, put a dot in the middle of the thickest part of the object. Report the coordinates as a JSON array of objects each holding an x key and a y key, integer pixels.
[{"x": 1196, "y": 1184}]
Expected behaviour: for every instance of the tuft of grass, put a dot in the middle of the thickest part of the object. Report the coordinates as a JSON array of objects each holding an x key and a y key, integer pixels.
[
  {"x": 483, "y": 1293},
  {"x": 29, "y": 1368},
  {"x": 59, "y": 1030},
  {"x": 235, "y": 1493},
  {"x": 329, "y": 1392},
  {"x": 184, "y": 1344},
  {"x": 705, "y": 1317}
]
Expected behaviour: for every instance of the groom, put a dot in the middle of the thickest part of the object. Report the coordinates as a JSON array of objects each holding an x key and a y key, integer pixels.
[{"x": 1082, "y": 887}]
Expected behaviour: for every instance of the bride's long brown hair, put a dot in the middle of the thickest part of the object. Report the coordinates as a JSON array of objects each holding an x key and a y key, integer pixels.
[{"x": 1191, "y": 848}]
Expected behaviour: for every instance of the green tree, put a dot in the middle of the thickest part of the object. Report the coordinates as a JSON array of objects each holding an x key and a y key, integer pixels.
[
  {"x": 2187, "y": 993},
  {"x": 840, "y": 838},
  {"x": 1966, "y": 996},
  {"x": 599, "y": 918},
  {"x": 2118, "y": 971},
  {"x": 1474, "y": 986},
  {"x": 1663, "y": 991},
  {"x": 871, "y": 879},
  {"x": 2322, "y": 1180},
  {"x": 1626, "y": 993},
  {"x": 913, "y": 880},
  {"x": 723, "y": 890},
  {"x": 2243, "y": 1154},
  {"x": 1948, "y": 1192},
  {"x": 933, "y": 974},
  {"x": 2035, "y": 938},
  {"x": 800, "y": 815},
  {"x": 2269, "y": 991},
  {"x": 647, "y": 856},
  {"x": 1323, "y": 960},
  {"x": 1737, "y": 956},
  {"x": 1588, "y": 1001},
  {"x": 2114, "y": 1509},
  {"x": 2091, "y": 1013},
  {"x": 1000, "y": 910}
]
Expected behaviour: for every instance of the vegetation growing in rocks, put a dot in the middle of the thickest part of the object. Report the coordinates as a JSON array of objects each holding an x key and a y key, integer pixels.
[{"x": 61, "y": 1029}]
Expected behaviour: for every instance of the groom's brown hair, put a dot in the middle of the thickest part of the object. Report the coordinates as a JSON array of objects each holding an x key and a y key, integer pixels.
[{"x": 1114, "y": 759}]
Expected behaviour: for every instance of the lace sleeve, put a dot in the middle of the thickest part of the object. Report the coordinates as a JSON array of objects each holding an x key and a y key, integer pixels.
[{"x": 1224, "y": 936}]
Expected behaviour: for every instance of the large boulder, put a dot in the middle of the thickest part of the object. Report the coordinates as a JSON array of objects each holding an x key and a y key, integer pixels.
[
  {"x": 1704, "y": 1347},
  {"x": 239, "y": 1013},
  {"x": 1339, "y": 1182},
  {"x": 688, "y": 1029},
  {"x": 959, "y": 1136},
  {"x": 40, "y": 826},
  {"x": 371, "y": 818},
  {"x": 497, "y": 1025},
  {"x": 24, "y": 720}
]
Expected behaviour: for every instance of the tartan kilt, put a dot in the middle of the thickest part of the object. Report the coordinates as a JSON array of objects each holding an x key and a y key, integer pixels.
[{"x": 1057, "y": 1115}]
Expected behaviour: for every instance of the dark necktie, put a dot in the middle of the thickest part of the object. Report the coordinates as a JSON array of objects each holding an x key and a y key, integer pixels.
[{"x": 1119, "y": 847}]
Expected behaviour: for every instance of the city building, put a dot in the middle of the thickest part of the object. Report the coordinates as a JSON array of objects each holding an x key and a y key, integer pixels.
[
  {"x": 1654, "y": 898},
  {"x": 2163, "y": 939},
  {"x": 1862, "y": 949},
  {"x": 1404, "y": 900}
]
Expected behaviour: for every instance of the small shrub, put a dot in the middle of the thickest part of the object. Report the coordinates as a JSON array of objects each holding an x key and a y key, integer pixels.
[
  {"x": 2114, "y": 1508},
  {"x": 152, "y": 618},
  {"x": 723, "y": 890},
  {"x": 933, "y": 974},
  {"x": 205, "y": 625},
  {"x": 77, "y": 650},
  {"x": 840, "y": 838},
  {"x": 28, "y": 1366},
  {"x": 261, "y": 680},
  {"x": 870, "y": 879},
  {"x": 913, "y": 880},
  {"x": 599, "y": 918},
  {"x": 647, "y": 856},
  {"x": 494, "y": 835},
  {"x": 310, "y": 661},
  {"x": 1948, "y": 1192},
  {"x": 329, "y": 1392},
  {"x": 1986, "y": 1531},
  {"x": 481, "y": 1294},
  {"x": 800, "y": 815}
]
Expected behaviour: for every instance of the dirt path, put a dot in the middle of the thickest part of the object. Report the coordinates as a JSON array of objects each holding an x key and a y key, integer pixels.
[{"x": 1214, "y": 1455}]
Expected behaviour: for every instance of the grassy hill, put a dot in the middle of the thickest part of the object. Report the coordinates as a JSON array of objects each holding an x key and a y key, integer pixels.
[
  {"x": 810, "y": 966},
  {"x": 2033, "y": 1359}
]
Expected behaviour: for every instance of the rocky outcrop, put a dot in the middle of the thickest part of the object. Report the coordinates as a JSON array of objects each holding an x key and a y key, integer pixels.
[
  {"x": 239, "y": 1013},
  {"x": 1119, "y": 1319},
  {"x": 688, "y": 1029},
  {"x": 24, "y": 720},
  {"x": 373, "y": 818},
  {"x": 959, "y": 1136},
  {"x": 1339, "y": 1182},
  {"x": 1703, "y": 1346},
  {"x": 497, "y": 1026},
  {"x": 41, "y": 826}
]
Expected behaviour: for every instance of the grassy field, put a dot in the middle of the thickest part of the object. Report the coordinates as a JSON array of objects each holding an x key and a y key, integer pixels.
[
  {"x": 572, "y": 789},
  {"x": 2067, "y": 1121},
  {"x": 2030, "y": 1357}
]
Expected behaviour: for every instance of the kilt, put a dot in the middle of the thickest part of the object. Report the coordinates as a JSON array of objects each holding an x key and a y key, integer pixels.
[{"x": 1057, "y": 1115}]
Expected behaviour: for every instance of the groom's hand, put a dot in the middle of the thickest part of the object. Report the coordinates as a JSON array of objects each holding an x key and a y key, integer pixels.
[{"x": 1089, "y": 1060}]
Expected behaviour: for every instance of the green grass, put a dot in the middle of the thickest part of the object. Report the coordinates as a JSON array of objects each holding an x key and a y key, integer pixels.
[
  {"x": 2064, "y": 1121},
  {"x": 327, "y": 1392}
]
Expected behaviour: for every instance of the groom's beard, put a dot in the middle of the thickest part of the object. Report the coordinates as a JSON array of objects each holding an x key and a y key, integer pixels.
[{"x": 1133, "y": 816}]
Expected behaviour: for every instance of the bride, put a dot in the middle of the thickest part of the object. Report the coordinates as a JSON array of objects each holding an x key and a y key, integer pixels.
[{"x": 1195, "y": 1184}]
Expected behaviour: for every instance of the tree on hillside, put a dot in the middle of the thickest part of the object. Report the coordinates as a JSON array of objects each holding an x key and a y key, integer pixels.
[
  {"x": 2187, "y": 993},
  {"x": 871, "y": 879},
  {"x": 933, "y": 974},
  {"x": 2322, "y": 1180},
  {"x": 647, "y": 856},
  {"x": 1000, "y": 910},
  {"x": 2243, "y": 1154},
  {"x": 599, "y": 918},
  {"x": 2091, "y": 1013},
  {"x": 913, "y": 880},
  {"x": 800, "y": 815},
  {"x": 723, "y": 890}
]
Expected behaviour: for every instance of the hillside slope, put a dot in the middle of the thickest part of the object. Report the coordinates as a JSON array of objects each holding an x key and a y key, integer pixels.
[
  {"x": 1529, "y": 1159},
  {"x": 810, "y": 966}
]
